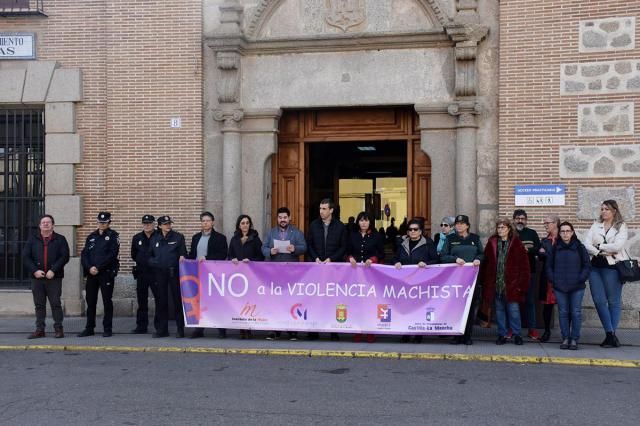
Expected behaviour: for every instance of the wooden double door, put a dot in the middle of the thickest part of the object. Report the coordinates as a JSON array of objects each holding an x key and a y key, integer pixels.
[{"x": 300, "y": 128}]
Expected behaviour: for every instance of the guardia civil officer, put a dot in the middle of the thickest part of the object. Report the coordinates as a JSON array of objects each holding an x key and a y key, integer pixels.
[
  {"x": 142, "y": 272},
  {"x": 167, "y": 249},
  {"x": 100, "y": 263}
]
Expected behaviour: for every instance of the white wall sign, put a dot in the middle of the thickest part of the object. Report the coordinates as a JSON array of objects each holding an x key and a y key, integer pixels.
[
  {"x": 17, "y": 46},
  {"x": 176, "y": 122},
  {"x": 540, "y": 195}
]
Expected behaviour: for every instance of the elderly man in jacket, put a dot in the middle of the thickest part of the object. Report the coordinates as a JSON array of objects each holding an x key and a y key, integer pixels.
[{"x": 44, "y": 257}]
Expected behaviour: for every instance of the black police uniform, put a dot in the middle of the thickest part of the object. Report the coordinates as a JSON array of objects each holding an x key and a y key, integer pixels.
[
  {"x": 145, "y": 279},
  {"x": 100, "y": 250},
  {"x": 164, "y": 258}
]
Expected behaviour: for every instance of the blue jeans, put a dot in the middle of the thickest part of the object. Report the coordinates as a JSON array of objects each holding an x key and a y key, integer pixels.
[
  {"x": 606, "y": 291},
  {"x": 570, "y": 313},
  {"x": 502, "y": 306}
]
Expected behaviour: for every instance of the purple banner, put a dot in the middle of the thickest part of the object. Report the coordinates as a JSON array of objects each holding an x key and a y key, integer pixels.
[{"x": 333, "y": 297}]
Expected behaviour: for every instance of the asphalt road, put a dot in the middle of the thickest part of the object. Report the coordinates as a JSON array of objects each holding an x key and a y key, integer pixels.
[{"x": 70, "y": 388}]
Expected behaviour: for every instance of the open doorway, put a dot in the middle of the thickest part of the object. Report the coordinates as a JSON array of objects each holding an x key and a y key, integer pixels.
[{"x": 359, "y": 176}]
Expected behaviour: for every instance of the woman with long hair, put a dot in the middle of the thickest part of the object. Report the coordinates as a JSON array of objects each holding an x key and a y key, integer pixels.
[
  {"x": 365, "y": 246},
  {"x": 567, "y": 268},
  {"x": 506, "y": 278},
  {"x": 546, "y": 296},
  {"x": 605, "y": 242},
  {"x": 245, "y": 246}
]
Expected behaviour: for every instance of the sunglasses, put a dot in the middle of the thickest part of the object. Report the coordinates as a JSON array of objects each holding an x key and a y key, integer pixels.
[
  {"x": 414, "y": 229},
  {"x": 445, "y": 224}
]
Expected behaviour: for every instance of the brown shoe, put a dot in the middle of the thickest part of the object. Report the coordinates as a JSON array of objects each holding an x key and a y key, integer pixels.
[
  {"x": 59, "y": 333},
  {"x": 36, "y": 334}
]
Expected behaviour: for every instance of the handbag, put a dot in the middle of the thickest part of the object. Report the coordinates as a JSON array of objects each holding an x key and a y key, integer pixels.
[{"x": 628, "y": 270}]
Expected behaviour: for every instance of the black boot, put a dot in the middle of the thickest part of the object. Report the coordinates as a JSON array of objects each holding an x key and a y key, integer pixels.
[
  {"x": 615, "y": 341},
  {"x": 608, "y": 341}
]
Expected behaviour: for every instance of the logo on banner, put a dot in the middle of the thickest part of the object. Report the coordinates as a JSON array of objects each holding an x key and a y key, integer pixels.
[
  {"x": 341, "y": 313},
  {"x": 431, "y": 315},
  {"x": 297, "y": 312},
  {"x": 384, "y": 313},
  {"x": 249, "y": 313}
]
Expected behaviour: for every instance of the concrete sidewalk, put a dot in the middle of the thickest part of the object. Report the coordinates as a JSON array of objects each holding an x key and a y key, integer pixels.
[{"x": 14, "y": 332}]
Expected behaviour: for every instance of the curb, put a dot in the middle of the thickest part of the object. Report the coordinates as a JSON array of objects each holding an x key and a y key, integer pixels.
[{"x": 594, "y": 362}]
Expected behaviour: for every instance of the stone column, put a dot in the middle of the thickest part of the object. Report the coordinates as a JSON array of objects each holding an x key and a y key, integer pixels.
[
  {"x": 437, "y": 140},
  {"x": 232, "y": 165},
  {"x": 259, "y": 143},
  {"x": 466, "y": 160}
]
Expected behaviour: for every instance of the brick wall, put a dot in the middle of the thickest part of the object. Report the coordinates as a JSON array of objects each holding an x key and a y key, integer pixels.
[
  {"x": 536, "y": 37},
  {"x": 141, "y": 65}
]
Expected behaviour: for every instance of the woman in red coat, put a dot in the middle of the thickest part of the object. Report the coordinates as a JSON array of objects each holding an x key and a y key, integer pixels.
[{"x": 506, "y": 278}]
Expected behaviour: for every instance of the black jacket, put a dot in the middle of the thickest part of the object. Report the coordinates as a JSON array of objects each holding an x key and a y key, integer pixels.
[
  {"x": 141, "y": 251},
  {"x": 216, "y": 247},
  {"x": 166, "y": 250},
  {"x": 336, "y": 244},
  {"x": 369, "y": 246},
  {"x": 424, "y": 251},
  {"x": 57, "y": 254},
  {"x": 251, "y": 249},
  {"x": 101, "y": 251},
  {"x": 531, "y": 242}
]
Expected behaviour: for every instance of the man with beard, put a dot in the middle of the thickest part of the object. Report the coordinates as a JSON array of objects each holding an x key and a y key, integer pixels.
[
  {"x": 531, "y": 242},
  {"x": 274, "y": 249}
]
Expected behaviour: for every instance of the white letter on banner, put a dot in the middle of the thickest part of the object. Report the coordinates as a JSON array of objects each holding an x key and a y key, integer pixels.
[
  {"x": 220, "y": 287},
  {"x": 244, "y": 290},
  {"x": 389, "y": 292}
]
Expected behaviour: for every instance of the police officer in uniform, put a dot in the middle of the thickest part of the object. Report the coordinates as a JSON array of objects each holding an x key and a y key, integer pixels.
[
  {"x": 142, "y": 272},
  {"x": 167, "y": 248},
  {"x": 100, "y": 263}
]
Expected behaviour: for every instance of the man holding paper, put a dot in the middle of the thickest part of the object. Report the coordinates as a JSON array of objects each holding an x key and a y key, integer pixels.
[{"x": 285, "y": 242}]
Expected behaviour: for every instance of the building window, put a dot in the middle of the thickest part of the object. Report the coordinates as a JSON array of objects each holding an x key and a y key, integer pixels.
[
  {"x": 21, "y": 7},
  {"x": 21, "y": 188}
]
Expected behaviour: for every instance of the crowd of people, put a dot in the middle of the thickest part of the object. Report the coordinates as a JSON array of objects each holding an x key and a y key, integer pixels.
[{"x": 506, "y": 281}]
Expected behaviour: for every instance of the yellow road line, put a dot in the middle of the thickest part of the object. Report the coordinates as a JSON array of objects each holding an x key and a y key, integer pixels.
[{"x": 518, "y": 359}]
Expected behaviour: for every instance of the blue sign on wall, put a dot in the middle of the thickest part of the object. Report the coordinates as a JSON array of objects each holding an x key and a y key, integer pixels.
[{"x": 539, "y": 195}]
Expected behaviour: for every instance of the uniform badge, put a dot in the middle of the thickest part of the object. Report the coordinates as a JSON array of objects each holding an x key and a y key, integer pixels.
[
  {"x": 157, "y": 244},
  {"x": 140, "y": 242},
  {"x": 106, "y": 238}
]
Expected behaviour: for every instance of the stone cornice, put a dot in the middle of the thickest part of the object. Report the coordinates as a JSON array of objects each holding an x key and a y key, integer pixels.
[{"x": 332, "y": 43}]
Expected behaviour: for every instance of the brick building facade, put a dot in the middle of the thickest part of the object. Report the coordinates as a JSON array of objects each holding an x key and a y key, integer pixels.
[{"x": 505, "y": 93}]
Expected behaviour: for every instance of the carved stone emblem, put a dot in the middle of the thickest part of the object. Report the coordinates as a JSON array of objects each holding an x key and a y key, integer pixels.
[{"x": 345, "y": 14}]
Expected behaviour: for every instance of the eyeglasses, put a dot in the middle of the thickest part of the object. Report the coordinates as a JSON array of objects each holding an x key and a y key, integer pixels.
[
  {"x": 547, "y": 223},
  {"x": 414, "y": 229},
  {"x": 501, "y": 227},
  {"x": 445, "y": 224}
]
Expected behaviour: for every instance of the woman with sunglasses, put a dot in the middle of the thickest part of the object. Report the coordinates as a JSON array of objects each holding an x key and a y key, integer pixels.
[
  {"x": 605, "y": 241},
  {"x": 568, "y": 267},
  {"x": 464, "y": 247},
  {"x": 415, "y": 249},
  {"x": 446, "y": 228}
]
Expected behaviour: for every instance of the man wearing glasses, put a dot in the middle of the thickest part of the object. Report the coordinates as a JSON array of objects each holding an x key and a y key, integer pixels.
[{"x": 531, "y": 242}]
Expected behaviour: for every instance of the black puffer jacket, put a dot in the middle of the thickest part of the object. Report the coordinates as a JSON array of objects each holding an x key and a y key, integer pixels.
[
  {"x": 568, "y": 266},
  {"x": 424, "y": 251}
]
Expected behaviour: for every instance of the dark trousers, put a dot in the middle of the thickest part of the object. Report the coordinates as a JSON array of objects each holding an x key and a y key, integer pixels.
[
  {"x": 104, "y": 284},
  {"x": 42, "y": 290},
  {"x": 473, "y": 311},
  {"x": 145, "y": 282},
  {"x": 166, "y": 285}
]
